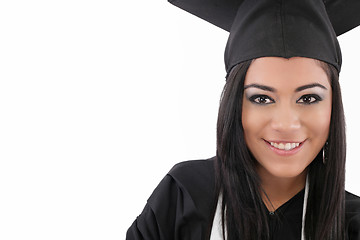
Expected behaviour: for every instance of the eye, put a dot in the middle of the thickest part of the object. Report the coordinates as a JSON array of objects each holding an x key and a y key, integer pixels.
[
  {"x": 309, "y": 99},
  {"x": 261, "y": 99}
]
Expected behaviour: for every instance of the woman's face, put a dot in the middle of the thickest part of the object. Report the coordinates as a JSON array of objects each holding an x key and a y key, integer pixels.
[{"x": 286, "y": 113}]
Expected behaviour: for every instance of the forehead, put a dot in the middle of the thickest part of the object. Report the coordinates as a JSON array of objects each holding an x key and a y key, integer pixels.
[{"x": 286, "y": 73}]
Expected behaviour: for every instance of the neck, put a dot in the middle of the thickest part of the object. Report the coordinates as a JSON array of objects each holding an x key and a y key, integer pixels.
[{"x": 278, "y": 190}]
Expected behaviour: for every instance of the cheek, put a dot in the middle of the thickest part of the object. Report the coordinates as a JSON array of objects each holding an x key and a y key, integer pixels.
[
  {"x": 252, "y": 120},
  {"x": 317, "y": 122},
  {"x": 255, "y": 121}
]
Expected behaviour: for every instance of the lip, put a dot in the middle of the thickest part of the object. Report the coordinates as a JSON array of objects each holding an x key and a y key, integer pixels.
[{"x": 285, "y": 152}]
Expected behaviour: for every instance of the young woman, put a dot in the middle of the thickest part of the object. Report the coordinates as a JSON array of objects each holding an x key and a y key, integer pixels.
[
  {"x": 279, "y": 171},
  {"x": 290, "y": 126}
]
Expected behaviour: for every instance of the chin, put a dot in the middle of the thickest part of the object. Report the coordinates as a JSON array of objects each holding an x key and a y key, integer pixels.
[{"x": 285, "y": 171}]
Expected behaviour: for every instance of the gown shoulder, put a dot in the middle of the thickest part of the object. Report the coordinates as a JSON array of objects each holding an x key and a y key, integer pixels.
[
  {"x": 180, "y": 206},
  {"x": 352, "y": 216}
]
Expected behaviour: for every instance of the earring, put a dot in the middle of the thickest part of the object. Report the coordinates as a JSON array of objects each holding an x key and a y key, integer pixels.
[{"x": 324, "y": 152}]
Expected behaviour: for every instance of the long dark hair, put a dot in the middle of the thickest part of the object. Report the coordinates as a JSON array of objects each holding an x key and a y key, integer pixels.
[{"x": 244, "y": 216}]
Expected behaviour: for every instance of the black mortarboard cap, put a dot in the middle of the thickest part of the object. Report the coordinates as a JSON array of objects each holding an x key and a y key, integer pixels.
[{"x": 283, "y": 28}]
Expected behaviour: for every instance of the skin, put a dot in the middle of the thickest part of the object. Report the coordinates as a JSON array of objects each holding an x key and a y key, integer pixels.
[{"x": 285, "y": 113}]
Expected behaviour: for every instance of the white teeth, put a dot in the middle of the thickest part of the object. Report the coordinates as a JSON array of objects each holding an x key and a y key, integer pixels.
[
  {"x": 285, "y": 146},
  {"x": 288, "y": 146}
]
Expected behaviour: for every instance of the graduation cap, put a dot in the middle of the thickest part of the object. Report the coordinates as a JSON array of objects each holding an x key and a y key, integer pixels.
[{"x": 281, "y": 28}]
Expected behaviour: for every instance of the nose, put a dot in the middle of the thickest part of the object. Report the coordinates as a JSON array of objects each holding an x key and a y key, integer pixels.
[{"x": 286, "y": 119}]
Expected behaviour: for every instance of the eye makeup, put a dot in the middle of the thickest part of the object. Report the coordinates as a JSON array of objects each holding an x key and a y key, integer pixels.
[
  {"x": 308, "y": 99},
  {"x": 305, "y": 99},
  {"x": 260, "y": 99}
]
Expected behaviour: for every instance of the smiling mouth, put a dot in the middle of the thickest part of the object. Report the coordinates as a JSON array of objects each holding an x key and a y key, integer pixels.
[{"x": 285, "y": 146}]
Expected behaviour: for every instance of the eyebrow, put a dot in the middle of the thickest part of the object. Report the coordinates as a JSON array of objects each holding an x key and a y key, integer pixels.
[
  {"x": 310, "y": 86},
  {"x": 262, "y": 87},
  {"x": 271, "y": 89}
]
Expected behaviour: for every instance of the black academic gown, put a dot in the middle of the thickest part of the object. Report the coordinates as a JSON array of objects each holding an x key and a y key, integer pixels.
[{"x": 180, "y": 208}]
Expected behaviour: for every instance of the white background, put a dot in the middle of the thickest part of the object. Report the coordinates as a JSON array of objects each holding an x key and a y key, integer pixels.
[{"x": 99, "y": 99}]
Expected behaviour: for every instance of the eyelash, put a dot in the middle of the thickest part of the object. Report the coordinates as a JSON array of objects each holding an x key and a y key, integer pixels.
[
  {"x": 315, "y": 96},
  {"x": 256, "y": 99}
]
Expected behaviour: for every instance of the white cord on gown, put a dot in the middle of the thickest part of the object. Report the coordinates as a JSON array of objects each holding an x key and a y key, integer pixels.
[
  {"x": 216, "y": 230},
  {"x": 306, "y": 195}
]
